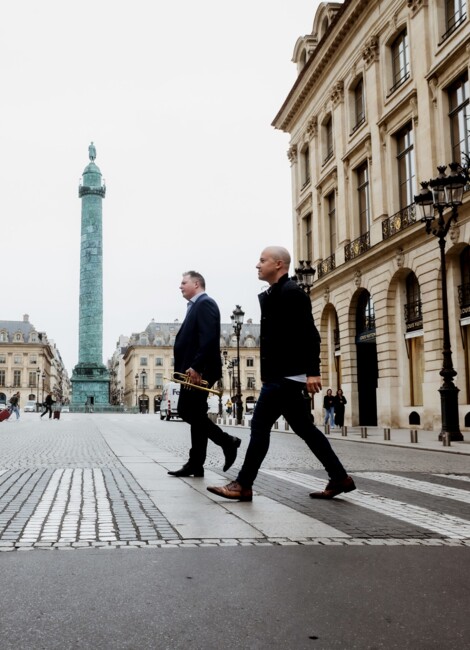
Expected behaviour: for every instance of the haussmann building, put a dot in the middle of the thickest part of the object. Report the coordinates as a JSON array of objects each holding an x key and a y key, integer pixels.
[{"x": 380, "y": 101}]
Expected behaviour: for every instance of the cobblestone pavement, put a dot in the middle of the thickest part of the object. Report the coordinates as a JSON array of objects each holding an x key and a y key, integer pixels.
[{"x": 101, "y": 481}]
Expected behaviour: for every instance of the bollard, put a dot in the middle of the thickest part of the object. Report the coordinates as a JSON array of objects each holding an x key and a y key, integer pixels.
[
  {"x": 414, "y": 436},
  {"x": 276, "y": 425},
  {"x": 387, "y": 434},
  {"x": 363, "y": 432},
  {"x": 446, "y": 439},
  {"x": 327, "y": 429},
  {"x": 344, "y": 431}
]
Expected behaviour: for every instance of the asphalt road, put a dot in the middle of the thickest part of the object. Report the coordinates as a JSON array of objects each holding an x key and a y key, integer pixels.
[{"x": 97, "y": 550}]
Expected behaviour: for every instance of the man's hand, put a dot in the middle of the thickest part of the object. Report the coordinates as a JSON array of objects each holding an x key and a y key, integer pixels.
[
  {"x": 194, "y": 376},
  {"x": 314, "y": 384}
]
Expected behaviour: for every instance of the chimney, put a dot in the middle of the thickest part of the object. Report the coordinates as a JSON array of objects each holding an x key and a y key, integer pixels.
[{"x": 25, "y": 318}]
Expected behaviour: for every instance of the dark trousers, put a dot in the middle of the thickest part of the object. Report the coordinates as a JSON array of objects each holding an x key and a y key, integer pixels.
[
  {"x": 192, "y": 408},
  {"x": 47, "y": 408},
  {"x": 287, "y": 398}
]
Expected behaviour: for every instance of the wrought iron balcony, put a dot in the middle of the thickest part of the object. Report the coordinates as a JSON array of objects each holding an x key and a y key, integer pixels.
[
  {"x": 326, "y": 266},
  {"x": 357, "y": 247},
  {"x": 413, "y": 316},
  {"x": 399, "y": 221}
]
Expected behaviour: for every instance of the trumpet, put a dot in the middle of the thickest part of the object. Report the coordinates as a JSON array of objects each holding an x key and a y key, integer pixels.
[{"x": 181, "y": 378}]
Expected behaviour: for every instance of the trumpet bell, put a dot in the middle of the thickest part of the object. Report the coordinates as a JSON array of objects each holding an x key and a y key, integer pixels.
[{"x": 184, "y": 380}]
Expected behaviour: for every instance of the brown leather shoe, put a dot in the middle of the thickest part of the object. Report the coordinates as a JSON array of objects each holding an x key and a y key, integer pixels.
[
  {"x": 334, "y": 488},
  {"x": 232, "y": 490}
]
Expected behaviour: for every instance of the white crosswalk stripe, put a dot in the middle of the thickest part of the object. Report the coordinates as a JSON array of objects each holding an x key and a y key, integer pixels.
[
  {"x": 442, "y": 524},
  {"x": 455, "y": 477},
  {"x": 419, "y": 486}
]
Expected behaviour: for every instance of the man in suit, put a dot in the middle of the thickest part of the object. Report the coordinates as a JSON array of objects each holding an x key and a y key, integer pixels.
[{"x": 197, "y": 354}]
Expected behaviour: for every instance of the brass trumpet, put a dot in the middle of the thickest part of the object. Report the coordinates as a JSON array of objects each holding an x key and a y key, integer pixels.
[{"x": 183, "y": 379}]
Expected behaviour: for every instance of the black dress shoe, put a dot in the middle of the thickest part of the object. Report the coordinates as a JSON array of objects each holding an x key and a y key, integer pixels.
[
  {"x": 187, "y": 471},
  {"x": 230, "y": 452}
]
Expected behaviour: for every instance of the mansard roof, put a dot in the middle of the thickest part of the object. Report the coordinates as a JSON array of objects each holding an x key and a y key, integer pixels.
[{"x": 167, "y": 331}]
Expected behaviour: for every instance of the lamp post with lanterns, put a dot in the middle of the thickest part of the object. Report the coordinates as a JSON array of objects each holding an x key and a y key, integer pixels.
[
  {"x": 143, "y": 377},
  {"x": 43, "y": 377},
  {"x": 439, "y": 194},
  {"x": 136, "y": 386},
  {"x": 237, "y": 323},
  {"x": 304, "y": 275},
  {"x": 38, "y": 374}
]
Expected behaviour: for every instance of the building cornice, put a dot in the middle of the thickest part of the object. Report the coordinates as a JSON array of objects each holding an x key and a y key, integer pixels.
[{"x": 342, "y": 24}]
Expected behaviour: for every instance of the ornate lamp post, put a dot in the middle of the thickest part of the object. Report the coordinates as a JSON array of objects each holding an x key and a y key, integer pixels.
[
  {"x": 38, "y": 374},
  {"x": 445, "y": 192},
  {"x": 304, "y": 275},
  {"x": 143, "y": 377},
  {"x": 136, "y": 386},
  {"x": 237, "y": 323},
  {"x": 43, "y": 376}
]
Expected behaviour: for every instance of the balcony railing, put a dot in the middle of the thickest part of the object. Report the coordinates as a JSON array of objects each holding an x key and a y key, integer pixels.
[
  {"x": 399, "y": 83},
  {"x": 357, "y": 247},
  {"x": 413, "y": 316},
  {"x": 464, "y": 299},
  {"x": 454, "y": 23},
  {"x": 326, "y": 266},
  {"x": 399, "y": 221}
]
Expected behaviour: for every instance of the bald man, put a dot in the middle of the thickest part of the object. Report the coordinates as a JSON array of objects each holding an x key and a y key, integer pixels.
[{"x": 290, "y": 370}]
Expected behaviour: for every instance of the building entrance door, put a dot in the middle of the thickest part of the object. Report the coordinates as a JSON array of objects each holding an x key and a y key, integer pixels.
[{"x": 367, "y": 373}]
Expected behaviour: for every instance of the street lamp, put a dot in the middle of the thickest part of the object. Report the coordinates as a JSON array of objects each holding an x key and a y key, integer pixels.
[
  {"x": 304, "y": 275},
  {"x": 143, "y": 377},
  {"x": 237, "y": 323},
  {"x": 38, "y": 374},
  {"x": 43, "y": 376},
  {"x": 136, "y": 385},
  {"x": 445, "y": 192}
]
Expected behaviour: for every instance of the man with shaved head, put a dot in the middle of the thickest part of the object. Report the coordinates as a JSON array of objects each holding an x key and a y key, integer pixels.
[{"x": 290, "y": 370}]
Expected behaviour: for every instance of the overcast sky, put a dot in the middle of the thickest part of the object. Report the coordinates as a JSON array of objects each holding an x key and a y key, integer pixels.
[{"x": 178, "y": 98}]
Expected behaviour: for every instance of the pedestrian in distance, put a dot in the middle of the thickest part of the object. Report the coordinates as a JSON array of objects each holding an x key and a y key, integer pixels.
[
  {"x": 340, "y": 404},
  {"x": 197, "y": 355},
  {"x": 48, "y": 402},
  {"x": 329, "y": 406},
  {"x": 290, "y": 369},
  {"x": 15, "y": 404},
  {"x": 228, "y": 407}
]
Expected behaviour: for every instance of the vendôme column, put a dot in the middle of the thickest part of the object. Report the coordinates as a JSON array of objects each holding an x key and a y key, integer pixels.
[{"x": 90, "y": 377}]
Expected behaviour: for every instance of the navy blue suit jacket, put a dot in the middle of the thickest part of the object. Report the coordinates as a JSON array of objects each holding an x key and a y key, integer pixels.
[{"x": 197, "y": 344}]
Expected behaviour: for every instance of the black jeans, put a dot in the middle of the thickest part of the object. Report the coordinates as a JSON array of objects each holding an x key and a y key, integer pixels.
[
  {"x": 287, "y": 398},
  {"x": 192, "y": 408},
  {"x": 47, "y": 409}
]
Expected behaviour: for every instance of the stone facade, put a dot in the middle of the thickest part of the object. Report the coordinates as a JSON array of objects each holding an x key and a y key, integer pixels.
[
  {"x": 381, "y": 99},
  {"x": 30, "y": 363}
]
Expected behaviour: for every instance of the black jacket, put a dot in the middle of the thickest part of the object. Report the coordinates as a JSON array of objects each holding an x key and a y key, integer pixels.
[
  {"x": 197, "y": 344},
  {"x": 290, "y": 342}
]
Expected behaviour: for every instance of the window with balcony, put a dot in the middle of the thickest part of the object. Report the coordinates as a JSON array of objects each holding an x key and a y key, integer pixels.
[
  {"x": 17, "y": 359},
  {"x": 359, "y": 105},
  {"x": 305, "y": 167},
  {"x": 459, "y": 115},
  {"x": 250, "y": 362},
  {"x": 400, "y": 60},
  {"x": 328, "y": 139},
  {"x": 331, "y": 242},
  {"x": 2, "y": 378},
  {"x": 362, "y": 175},
  {"x": 3, "y": 358},
  {"x": 33, "y": 359},
  {"x": 32, "y": 379},
  {"x": 406, "y": 166},
  {"x": 159, "y": 361},
  {"x": 455, "y": 15},
  {"x": 143, "y": 361},
  {"x": 307, "y": 236},
  {"x": 158, "y": 380},
  {"x": 16, "y": 378}
]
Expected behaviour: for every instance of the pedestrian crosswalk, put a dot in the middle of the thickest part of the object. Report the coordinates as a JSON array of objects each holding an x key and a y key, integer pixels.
[
  {"x": 433, "y": 520},
  {"x": 112, "y": 506}
]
